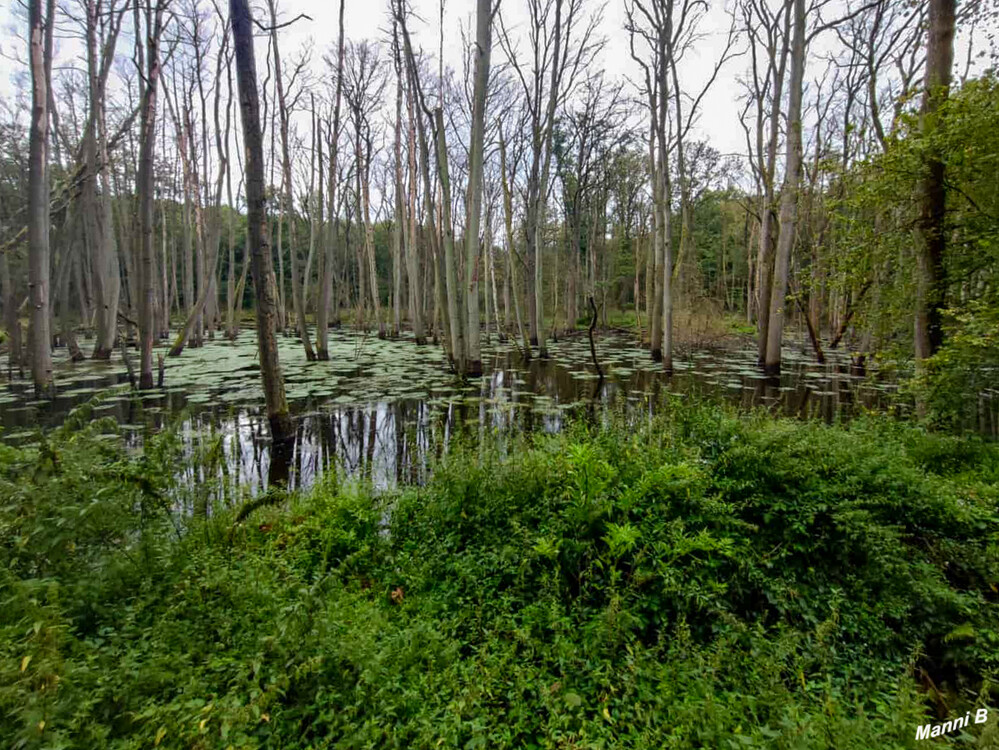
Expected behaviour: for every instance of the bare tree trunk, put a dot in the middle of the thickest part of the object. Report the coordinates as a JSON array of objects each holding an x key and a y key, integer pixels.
[
  {"x": 39, "y": 335},
  {"x": 636, "y": 288},
  {"x": 174, "y": 287},
  {"x": 188, "y": 253},
  {"x": 660, "y": 240},
  {"x": 507, "y": 272},
  {"x": 417, "y": 103},
  {"x": 667, "y": 275},
  {"x": 164, "y": 283},
  {"x": 263, "y": 270},
  {"x": 399, "y": 225},
  {"x": 789, "y": 196},
  {"x": 416, "y": 308},
  {"x": 492, "y": 312},
  {"x": 483, "y": 48},
  {"x": 362, "y": 295},
  {"x": 511, "y": 250},
  {"x": 233, "y": 308},
  {"x": 440, "y": 312},
  {"x": 70, "y": 240},
  {"x": 10, "y": 318},
  {"x": 650, "y": 278},
  {"x": 369, "y": 237},
  {"x": 145, "y": 185},
  {"x": 230, "y": 286},
  {"x": 454, "y": 302},
  {"x": 207, "y": 267},
  {"x": 329, "y": 249},
  {"x": 196, "y": 186},
  {"x": 931, "y": 279},
  {"x": 765, "y": 256},
  {"x": 397, "y": 232},
  {"x": 289, "y": 201},
  {"x": 316, "y": 206},
  {"x": 558, "y": 69},
  {"x": 282, "y": 319},
  {"x": 97, "y": 221}
]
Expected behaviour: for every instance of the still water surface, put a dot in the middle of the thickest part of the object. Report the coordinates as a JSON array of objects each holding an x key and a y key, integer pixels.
[{"x": 384, "y": 409}]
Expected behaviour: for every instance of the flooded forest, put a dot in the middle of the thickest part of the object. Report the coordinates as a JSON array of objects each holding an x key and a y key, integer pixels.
[{"x": 499, "y": 373}]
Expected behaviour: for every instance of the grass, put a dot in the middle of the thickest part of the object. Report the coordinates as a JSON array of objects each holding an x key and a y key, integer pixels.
[{"x": 703, "y": 580}]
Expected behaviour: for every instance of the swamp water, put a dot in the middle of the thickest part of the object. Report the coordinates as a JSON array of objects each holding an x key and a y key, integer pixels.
[{"x": 385, "y": 408}]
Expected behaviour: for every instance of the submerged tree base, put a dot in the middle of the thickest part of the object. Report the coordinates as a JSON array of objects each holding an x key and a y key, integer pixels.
[{"x": 700, "y": 580}]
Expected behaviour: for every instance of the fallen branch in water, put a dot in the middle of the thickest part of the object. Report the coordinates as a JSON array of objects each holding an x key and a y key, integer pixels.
[
  {"x": 593, "y": 348},
  {"x": 813, "y": 335},
  {"x": 127, "y": 361},
  {"x": 127, "y": 319}
]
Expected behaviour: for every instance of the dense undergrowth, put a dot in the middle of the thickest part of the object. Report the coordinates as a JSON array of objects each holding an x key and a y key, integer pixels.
[{"x": 702, "y": 581}]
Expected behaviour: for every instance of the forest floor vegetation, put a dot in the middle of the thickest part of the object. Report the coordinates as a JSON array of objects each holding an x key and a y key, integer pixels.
[{"x": 699, "y": 580}]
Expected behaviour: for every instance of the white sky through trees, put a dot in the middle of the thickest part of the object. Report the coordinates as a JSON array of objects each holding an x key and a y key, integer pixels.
[
  {"x": 717, "y": 121},
  {"x": 367, "y": 20}
]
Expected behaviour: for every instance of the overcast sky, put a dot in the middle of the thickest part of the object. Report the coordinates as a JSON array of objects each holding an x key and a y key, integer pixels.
[
  {"x": 368, "y": 19},
  {"x": 718, "y": 120}
]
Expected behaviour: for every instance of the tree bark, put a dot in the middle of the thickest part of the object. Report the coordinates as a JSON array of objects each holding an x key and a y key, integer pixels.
[
  {"x": 931, "y": 279},
  {"x": 511, "y": 250},
  {"x": 458, "y": 346},
  {"x": 145, "y": 185},
  {"x": 399, "y": 226},
  {"x": 655, "y": 277},
  {"x": 413, "y": 281},
  {"x": 96, "y": 212},
  {"x": 207, "y": 266},
  {"x": 39, "y": 332},
  {"x": 483, "y": 48},
  {"x": 369, "y": 234},
  {"x": 789, "y": 197},
  {"x": 417, "y": 103},
  {"x": 10, "y": 317},
  {"x": 263, "y": 270},
  {"x": 289, "y": 201},
  {"x": 233, "y": 308},
  {"x": 765, "y": 257},
  {"x": 322, "y": 314}
]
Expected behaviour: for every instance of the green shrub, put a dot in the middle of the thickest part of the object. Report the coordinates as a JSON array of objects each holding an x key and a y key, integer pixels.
[
  {"x": 958, "y": 383},
  {"x": 700, "y": 581}
]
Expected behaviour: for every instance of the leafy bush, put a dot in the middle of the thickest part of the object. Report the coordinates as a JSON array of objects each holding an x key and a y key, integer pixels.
[
  {"x": 958, "y": 383},
  {"x": 700, "y": 581}
]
